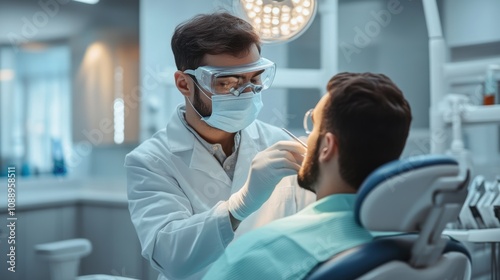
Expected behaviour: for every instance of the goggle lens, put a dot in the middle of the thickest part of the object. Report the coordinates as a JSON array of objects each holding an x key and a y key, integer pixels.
[{"x": 230, "y": 84}]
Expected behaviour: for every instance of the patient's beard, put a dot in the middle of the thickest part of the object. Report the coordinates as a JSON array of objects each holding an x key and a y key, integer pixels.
[{"x": 309, "y": 173}]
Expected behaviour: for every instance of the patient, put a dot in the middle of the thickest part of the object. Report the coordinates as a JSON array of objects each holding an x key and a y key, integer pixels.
[{"x": 361, "y": 123}]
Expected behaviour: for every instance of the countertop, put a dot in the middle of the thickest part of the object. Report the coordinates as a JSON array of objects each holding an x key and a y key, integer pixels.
[{"x": 32, "y": 193}]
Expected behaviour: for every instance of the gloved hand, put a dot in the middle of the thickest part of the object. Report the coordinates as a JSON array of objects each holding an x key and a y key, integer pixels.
[{"x": 266, "y": 171}]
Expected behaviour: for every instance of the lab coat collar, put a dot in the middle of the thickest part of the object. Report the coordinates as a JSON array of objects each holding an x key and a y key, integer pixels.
[{"x": 180, "y": 139}]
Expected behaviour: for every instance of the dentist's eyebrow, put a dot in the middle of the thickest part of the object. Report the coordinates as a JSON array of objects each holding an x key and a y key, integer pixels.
[
  {"x": 258, "y": 73},
  {"x": 240, "y": 77}
]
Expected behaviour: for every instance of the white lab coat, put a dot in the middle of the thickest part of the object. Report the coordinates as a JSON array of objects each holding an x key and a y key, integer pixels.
[{"x": 177, "y": 195}]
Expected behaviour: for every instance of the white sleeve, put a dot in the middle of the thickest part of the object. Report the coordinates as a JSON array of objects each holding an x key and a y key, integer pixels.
[{"x": 176, "y": 242}]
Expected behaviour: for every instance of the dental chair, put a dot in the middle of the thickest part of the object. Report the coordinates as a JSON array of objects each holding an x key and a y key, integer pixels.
[{"x": 415, "y": 197}]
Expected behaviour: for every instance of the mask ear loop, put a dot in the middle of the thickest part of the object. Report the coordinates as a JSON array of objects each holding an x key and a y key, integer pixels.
[
  {"x": 196, "y": 84},
  {"x": 189, "y": 101}
]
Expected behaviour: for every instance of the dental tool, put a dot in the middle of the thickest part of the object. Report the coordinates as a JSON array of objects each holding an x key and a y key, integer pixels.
[{"x": 294, "y": 137}]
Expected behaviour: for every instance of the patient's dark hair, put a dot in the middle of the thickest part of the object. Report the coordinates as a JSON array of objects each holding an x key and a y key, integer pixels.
[
  {"x": 218, "y": 33},
  {"x": 370, "y": 117}
]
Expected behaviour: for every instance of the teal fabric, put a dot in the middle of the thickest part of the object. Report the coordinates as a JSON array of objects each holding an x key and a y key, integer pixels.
[{"x": 290, "y": 247}]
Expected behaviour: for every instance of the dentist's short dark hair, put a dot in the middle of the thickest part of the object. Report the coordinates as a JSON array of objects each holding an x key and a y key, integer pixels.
[
  {"x": 371, "y": 119},
  {"x": 217, "y": 33}
]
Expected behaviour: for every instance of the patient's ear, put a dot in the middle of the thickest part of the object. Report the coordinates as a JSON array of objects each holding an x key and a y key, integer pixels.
[
  {"x": 183, "y": 83},
  {"x": 329, "y": 147}
]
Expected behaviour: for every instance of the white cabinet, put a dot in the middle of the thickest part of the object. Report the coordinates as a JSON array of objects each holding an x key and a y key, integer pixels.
[
  {"x": 35, "y": 227},
  {"x": 116, "y": 248}
]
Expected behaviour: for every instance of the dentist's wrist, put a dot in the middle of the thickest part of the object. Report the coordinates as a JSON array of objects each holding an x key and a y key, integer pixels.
[{"x": 236, "y": 206}]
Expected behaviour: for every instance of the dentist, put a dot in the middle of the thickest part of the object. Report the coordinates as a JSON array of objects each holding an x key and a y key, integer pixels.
[{"x": 215, "y": 171}]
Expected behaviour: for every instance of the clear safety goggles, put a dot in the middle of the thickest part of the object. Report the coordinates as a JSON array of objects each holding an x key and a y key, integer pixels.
[
  {"x": 235, "y": 80},
  {"x": 308, "y": 122}
]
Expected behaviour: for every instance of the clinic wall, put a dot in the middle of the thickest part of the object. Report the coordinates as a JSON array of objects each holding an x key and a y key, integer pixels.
[
  {"x": 458, "y": 16},
  {"x": 399, "y": 49},
  {"x": 158, "y": 19},
  {"x": 106, "y": 224},
  {"x": 95, "y": 58},
  {"x": 302, "y": 99}
]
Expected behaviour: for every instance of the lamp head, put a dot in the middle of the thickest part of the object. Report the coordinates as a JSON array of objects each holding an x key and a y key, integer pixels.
[{"x": 277, "y": 21}]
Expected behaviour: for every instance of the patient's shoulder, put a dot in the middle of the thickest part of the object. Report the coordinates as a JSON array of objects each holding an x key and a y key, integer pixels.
[{"x": 276, "y": 231}]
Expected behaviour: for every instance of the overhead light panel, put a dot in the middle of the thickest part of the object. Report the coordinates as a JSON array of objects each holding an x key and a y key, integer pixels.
[
  {"x": 87, "y": 1},
  {"x": 277, "y": 21}
]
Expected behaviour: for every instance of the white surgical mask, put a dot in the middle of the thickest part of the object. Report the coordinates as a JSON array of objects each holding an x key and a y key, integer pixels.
[{"x": 232, "y": 113}]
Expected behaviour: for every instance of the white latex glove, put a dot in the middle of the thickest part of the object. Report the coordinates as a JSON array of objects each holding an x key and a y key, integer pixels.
[{"x": 268, "y": 168}]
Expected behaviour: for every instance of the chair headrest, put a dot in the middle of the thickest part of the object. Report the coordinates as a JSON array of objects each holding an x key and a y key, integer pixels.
[{"x": 398, "y": 195}]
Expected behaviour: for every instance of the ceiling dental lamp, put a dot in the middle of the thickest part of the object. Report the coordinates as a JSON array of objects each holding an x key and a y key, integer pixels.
[{"x": 277, "y": 21}]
